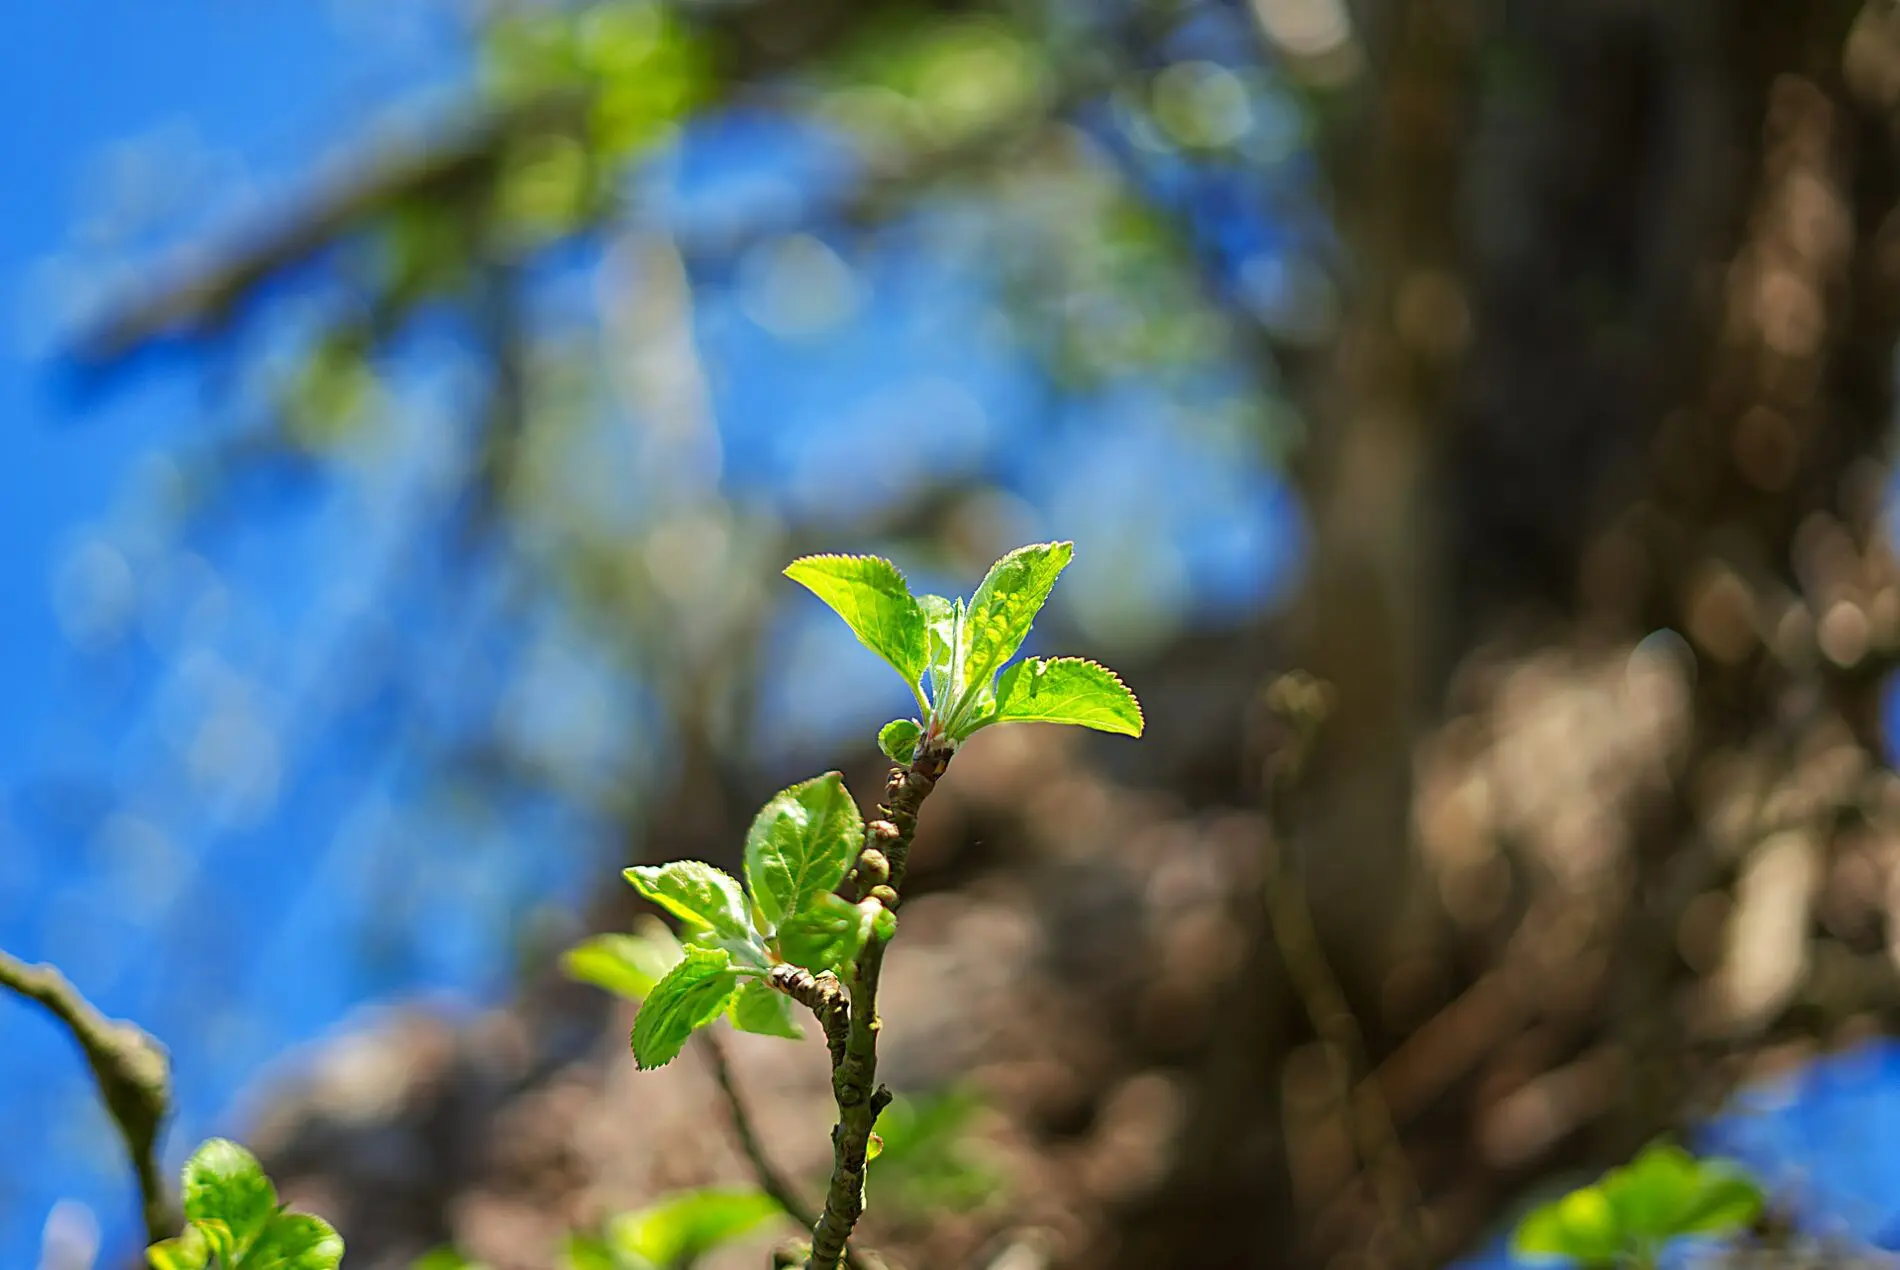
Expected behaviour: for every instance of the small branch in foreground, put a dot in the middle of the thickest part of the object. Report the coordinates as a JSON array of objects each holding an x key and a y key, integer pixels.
[
  {"x": 130, "y": 1068},
  {"x": 1302, "y": 703}
]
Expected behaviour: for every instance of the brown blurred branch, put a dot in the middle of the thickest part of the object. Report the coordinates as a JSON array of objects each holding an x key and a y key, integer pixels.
[
  {"x": 130, "y": 1068},
  {"x": 197, "y": 300},
  {"x": 1301, "y": 703}
]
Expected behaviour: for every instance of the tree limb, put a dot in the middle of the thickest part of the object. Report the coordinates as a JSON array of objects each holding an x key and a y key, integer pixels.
[{"x": 130, "y": 1068}]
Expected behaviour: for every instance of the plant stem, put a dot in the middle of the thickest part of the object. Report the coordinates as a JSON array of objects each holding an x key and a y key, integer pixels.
[
  {"x": 130, "y": 1068},
  {"x": 851, "y": 1029},
  {"x": 771, "y": 1181},
  {"x": 1303, "y": 703}
]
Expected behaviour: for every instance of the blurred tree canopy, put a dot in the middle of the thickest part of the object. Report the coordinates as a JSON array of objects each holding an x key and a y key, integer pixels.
[{"x": 1571, "y": 324}]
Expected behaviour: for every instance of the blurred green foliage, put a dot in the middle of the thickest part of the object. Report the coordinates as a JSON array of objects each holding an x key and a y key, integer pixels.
[{"x": 1631, "y": 1214}]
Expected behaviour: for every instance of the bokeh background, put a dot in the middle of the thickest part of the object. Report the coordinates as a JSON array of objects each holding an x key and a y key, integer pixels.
[{"x": 409, "y": 406}]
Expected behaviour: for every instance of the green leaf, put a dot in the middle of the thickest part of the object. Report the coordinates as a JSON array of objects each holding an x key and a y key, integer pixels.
[
  {"x": 759, "y": 1008},
  {"x": 296, "y": 1241},
  {"x": 1581, "y": 1225},
  {"x": 940, "y": 643},
  {"x": 683, "y": 1228},
  {"x": 1006, "y": 604},
  {"x": 1064, "y": 690},
  {"x": 1650, "y": 1195},
  {"x": 697, "y": 894},
  {"x": 189, "y": 1251},
  {"x": 801, "y": 845},
  {"x": 625, "y": 965},
  {"x": 829, "y": 934},
  {"x": 873, "y": 1147},
  {"x": 224, "y": 1182},
  {"x": 875, "y": 602},
  {"x": 898, "y": 739},
  {"x": 693, "y": 994},
  {"x": 1726, "y": 1200},
  {"x": 586, "y": 1252}
]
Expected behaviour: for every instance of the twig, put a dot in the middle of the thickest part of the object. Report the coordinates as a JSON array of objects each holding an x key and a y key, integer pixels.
[
  {"x": 770, "y": 1179},
  {"x": 848, "y": 1012},
  {"x": 131, "y": 1069},
  {"x": 1302, "y": 702}
]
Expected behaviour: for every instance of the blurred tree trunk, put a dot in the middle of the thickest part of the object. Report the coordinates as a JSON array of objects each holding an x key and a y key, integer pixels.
[{"x": 1619, "y": 332}]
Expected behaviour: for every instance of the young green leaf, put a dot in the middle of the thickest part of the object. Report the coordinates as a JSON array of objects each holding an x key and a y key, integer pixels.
[
  {"x": 828, "y": 934},
  {"x": 874, "y": 601},
  {"x": 224, "y": 1183},
  {"x": 1581, "y": 1225},
  {"x": 898, "y": 739},
  {"x": 625, "y": 965},
  {"x": 1651, "y": 1194},
  {"x": 296, "y": 1241},
  {"x": 759, "y": 1008},
  {"x": 1006, "y": 604},
  {"x": 587, "y": 1252},
  {"x": 683, "y": 1228},
  {"x": 940, "y": 644},
  {"x": 191, "y": 1250},
  {"x": 1065, "y": 690},
  {"x": 1726, "y": 1200},
  {"x": 697, "y": 894},
  {"x": 693, "y": 994},
  {"x": 801, "y": 845}
]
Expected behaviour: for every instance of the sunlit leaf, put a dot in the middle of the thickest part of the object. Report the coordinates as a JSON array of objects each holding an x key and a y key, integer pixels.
[
  {"x": 898, "y": 739},
  {"x": 223, "y": 1182},
  {"x": 1006, "y": 604},
  {"x": 625, "y": 965},
  {"x": 875, "y": 602},
  {"x": 1065, "y": 690},
  {"x": 801, "y": 845},
  {"x": 1726, "y": 1200},
  {"x": 1581, "y": 1225},
  {"x": 692, "y": 994},
  {"x": 682, "y": 1228},
  {"x": 758, "y": 1008},
  {"x": 696, "y": 893},
  {"x": 296, "y": 1241},
  {"x": 1650, "y": 1195},
  {"x": 588, "y": 1252},
  {"x": 941, "y": 620},
  {"x": 189, "y": 1251},
  {"x": 828, "y": 934}
]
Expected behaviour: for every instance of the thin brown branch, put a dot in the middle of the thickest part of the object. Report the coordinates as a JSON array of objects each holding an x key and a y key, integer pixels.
[
  {"x": 1302, "y": 702},
  {"x": 130, "y": 1068},
  {"x": 770, "y": 1180}
]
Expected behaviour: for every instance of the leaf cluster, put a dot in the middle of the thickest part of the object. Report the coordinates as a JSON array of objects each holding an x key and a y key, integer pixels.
[
  {"x": 954, "y": 654},
  {"x": 234, "y": 1222},
  {"x": 1629, "y": 1215}
]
